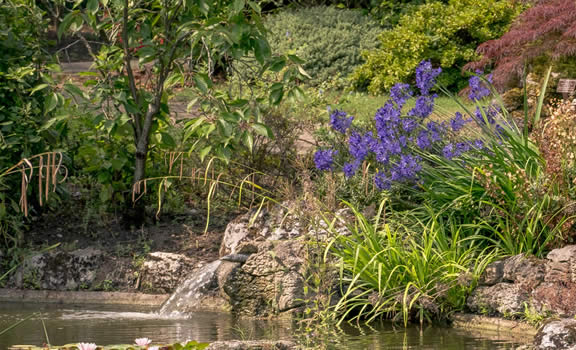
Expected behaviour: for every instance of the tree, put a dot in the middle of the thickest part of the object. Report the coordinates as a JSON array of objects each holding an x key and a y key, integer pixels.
[
  {"x": 154, "y": 45},
  {"x": 547, "y": 30}
]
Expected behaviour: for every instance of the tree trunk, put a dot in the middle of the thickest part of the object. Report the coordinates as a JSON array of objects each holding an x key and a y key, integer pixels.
[{"x": 136, "y": 212}]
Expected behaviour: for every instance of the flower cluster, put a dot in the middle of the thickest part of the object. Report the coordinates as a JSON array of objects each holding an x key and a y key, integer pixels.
[
  {"x": 398, "y": 138},
  {"x": 324, "y": 159},
  {"x": 478, "y": 88},
  {"x": 340, "y": 121}
]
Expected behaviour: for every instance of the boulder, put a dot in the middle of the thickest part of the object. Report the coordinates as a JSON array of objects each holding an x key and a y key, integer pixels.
[
  {"x": 279, "y": 223},
  {"x": 275, "y": 224},
  {"x": 162, "y": 272},
  {"x": 510, "y": 285},
  {"x": 270, "y": 282},
  {"x": 557, "y": 335},
  {"x": 503, "y": 298},
  {"x": 59, "y": 270},
  {"x": 252, "y": 345}
]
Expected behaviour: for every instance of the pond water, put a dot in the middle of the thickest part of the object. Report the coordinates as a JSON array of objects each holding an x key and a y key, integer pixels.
[{"x": 117, "y": 325}]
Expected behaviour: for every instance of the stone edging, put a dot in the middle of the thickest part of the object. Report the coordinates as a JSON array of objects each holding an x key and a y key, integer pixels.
[
  {"x": 54, "y": 296},
  {"x": 469, "y": 321}
]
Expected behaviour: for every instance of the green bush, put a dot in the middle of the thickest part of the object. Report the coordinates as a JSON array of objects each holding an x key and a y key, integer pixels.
[
  {"x": 448, "y": 34},
  {"x": 330, "y": 40}
]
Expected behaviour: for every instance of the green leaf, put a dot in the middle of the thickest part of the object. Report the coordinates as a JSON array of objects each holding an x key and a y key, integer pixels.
[
  {"x": 38, "y": 88},
  {"x": 167, "y": 140},
  {"x": 262, "y": 130},
  {"x": 248, "y": 140},
  {"x": 278, "y": 64},
  {"x": 238, "y": 6},
  {"x": 254, "y": 5},
  {"x": 262, "y": 50},
  {"x": 66, "y": 22},
  {"x": 92, "y": 6},
  {"x": 74, "y": 90},
  {"x": 203, "y": 82},
  {"x": 51, "y": 103},
  {"x": 303, "y": 72},
  {"x": 204, "y": 152},
  {"x": 276, "y": 93}
]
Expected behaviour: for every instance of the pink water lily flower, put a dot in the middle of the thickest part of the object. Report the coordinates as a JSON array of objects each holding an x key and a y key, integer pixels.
[
  {"x": 87, "y": 346},
  {"x": 142, "y": 341},
  {"x": 153, "y": 347}
]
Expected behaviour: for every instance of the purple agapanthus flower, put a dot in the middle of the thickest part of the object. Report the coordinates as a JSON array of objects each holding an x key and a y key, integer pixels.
[
  {"x": 478, "y": 87},
  {"x": 340, "y": 121},
  {"x": 350, "y": 168},
  {"x": 382, "y": 181},
  {"x": 426, "y": 77},
  {"x": 399, "y": 93},
  {"x": 360, "y": 145},
  {"x": 324, "y": 159},
  {"x": 423, "y": 141},
  {"x": 458, "y": 122},
  {"x": 424, "y": 106}
]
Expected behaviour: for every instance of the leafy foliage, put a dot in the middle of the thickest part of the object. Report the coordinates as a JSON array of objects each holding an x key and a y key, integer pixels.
[
  {"x": 546, "y": 30},
  {"x": 329, "y": 40},
  {"x": 448, "y": 34},
  {"x": 405, "y": 274},
  {"x": 27, "y": 98}
]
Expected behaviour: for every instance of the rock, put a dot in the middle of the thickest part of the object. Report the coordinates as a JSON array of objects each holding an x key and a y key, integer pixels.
[
  {"x": 59, "y": 270},
  {"x": 558, "y": 298},
  {"x": 504, "y": 298},
  {"x": 279, "y": 223},
  {"x": 270, "y": 282},
  {"x": 493, "y": 274},
  {"x": 527, "y": 271},
  {"x": 162, "y": 272},
  {"x": 275, "y": 224},
  {"x": 252, "y": 345},
  {"x": 560, "y": 335},
  {"x": 562, "y": 255}
]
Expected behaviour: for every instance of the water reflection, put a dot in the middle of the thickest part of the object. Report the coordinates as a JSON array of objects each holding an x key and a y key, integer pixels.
[{"x": 115, "y": 325}]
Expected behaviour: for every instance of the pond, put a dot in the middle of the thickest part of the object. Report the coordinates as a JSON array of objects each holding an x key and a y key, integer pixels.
[{"x": 121, "y": 324}]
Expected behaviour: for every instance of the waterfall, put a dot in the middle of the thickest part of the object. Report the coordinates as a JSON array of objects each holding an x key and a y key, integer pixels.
[{"x": 190, "y": 293}]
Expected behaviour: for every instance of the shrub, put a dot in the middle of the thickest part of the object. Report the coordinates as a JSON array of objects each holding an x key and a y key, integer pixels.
[
  {"x": 546, "y": 30},
  {"x": 448, "y": 34},
  {"x": 329, "y": 40}
]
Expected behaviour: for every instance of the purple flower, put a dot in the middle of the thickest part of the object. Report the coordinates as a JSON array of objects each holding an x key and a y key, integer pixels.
[
  {"x": 339, "y": 121},
  {"x": 381, "y": 152},
  {"x": 423, "y": 141},
  {"x": 387, "y": 119},
  {"x": 434, "y": 131},
  {"x": 448, "y": 151},
  {"x": 409, "y": 124},
  {"x": 478, "y": 88},
  {"x": 486, "y": 114},
  {"x": 324, "y": 159},
  {"x": 382, "y": 181},
  {"x": 424, "y": 106},
  {"x": 458, "y": 122},
  {"x": 400, "y": 93},
  {"x": 360, "y": 146},
  {"x": 426, "y": 76},
  {"x": 351, "y": 168},
  {"x": 479, "y": 144}
]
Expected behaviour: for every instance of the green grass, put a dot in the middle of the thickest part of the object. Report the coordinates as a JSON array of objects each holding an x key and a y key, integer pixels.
[{"x": 364, "y": 106}]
